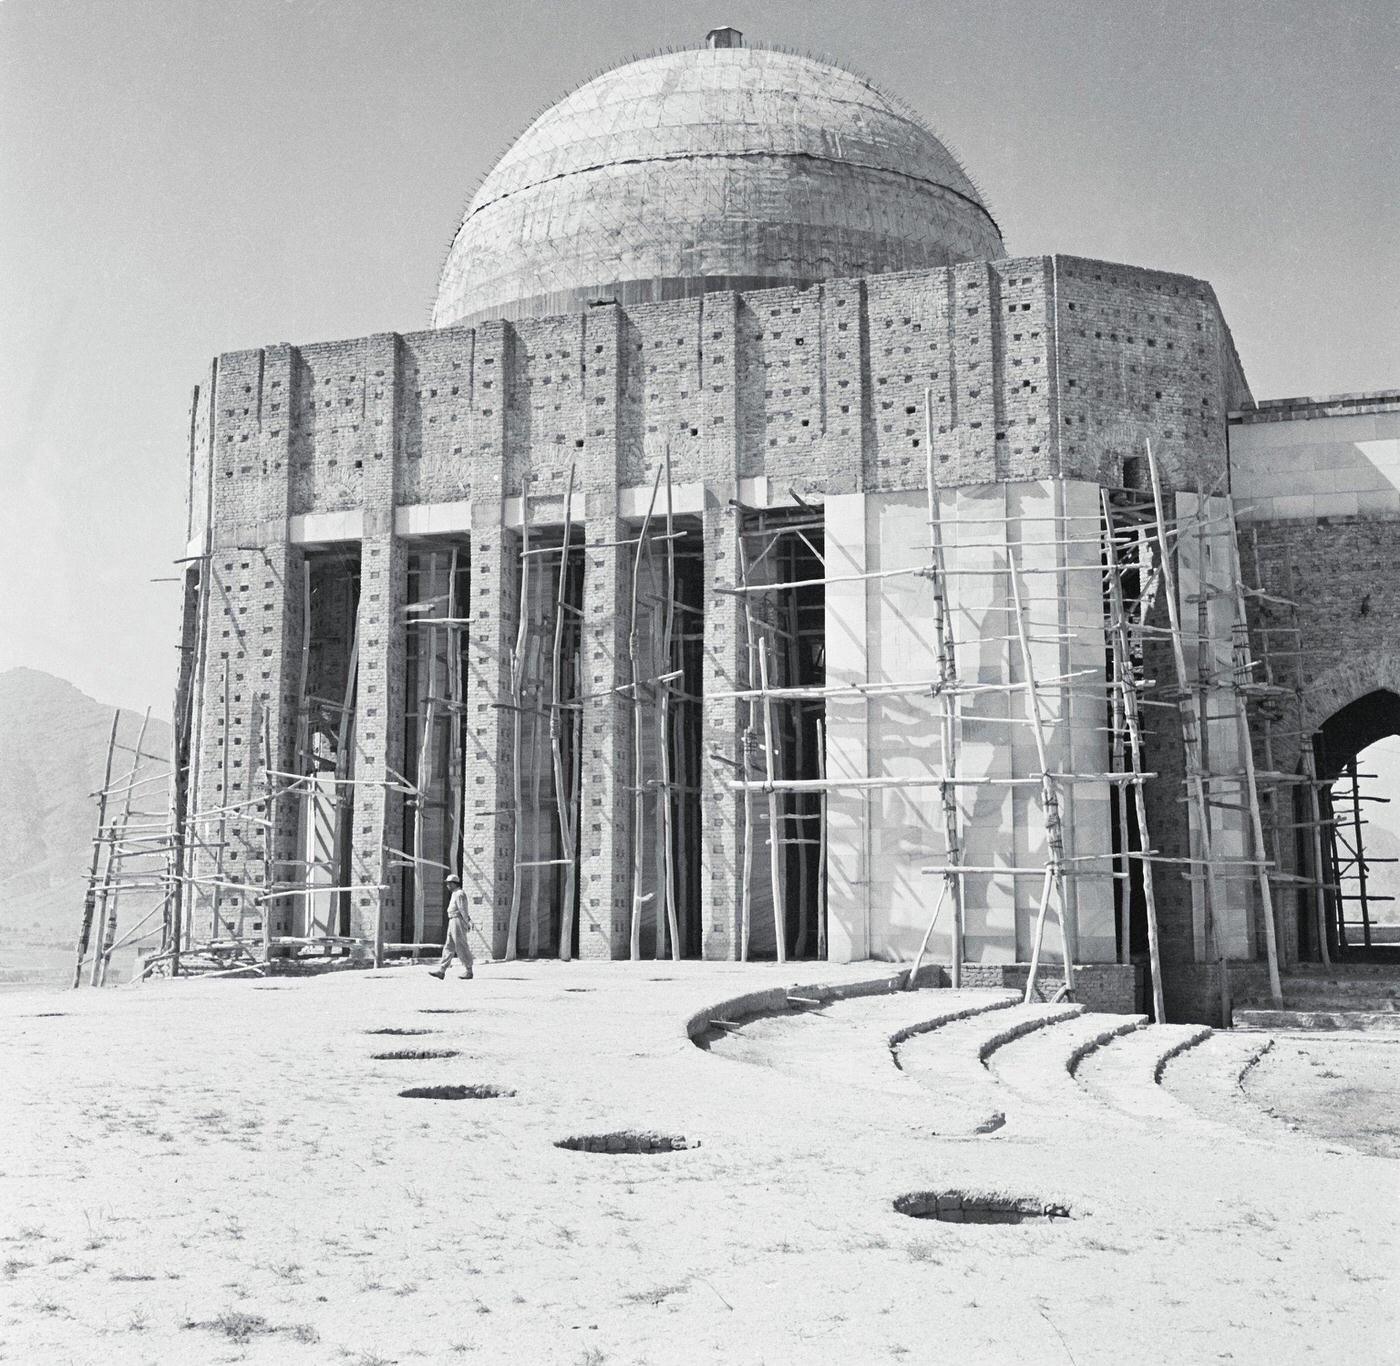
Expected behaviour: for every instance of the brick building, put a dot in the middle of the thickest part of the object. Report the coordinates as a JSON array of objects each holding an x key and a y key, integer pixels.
[{"x": 617, "y": 591}]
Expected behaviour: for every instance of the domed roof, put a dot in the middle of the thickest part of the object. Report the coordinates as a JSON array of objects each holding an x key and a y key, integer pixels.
[{"x": 711, "y": 168}]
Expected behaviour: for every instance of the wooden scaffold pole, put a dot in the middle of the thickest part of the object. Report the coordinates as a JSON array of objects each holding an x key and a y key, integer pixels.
[
  {"x": 775, "y": 866},
  {"x": 517, "y": 683},
  {"x": 1127, "y": 696},
  {"x": 638, "y": 756},
  {"x": 563, "y": 780},
  {"x": 427, "y": 646},
  {"x": 455, "y": 792},
  {"x": 1191, "y": 728},
  {"x": 668, "y": 867},
  {"x": 90, "y": 896},
  {"x": 948, "y": 722},
  {"x": 1243, "y": 675},
  {"x": 745, "y": 746},
  {"x": 269, "y": 906},
  {"x": 1049, "y": 802},
  {"x": 110, "y": 894},
  {"x": 1309, "y": 764}
]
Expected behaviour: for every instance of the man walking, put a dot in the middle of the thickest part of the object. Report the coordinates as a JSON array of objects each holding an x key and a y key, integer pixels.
[{"x": 458, "y": 923}]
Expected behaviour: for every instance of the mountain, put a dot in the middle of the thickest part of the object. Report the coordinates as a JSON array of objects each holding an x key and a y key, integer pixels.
[{"x": 53, "y": 744}]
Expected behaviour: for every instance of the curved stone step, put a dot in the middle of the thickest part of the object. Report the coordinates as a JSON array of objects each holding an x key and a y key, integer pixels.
[
  {"x": 1040, "y": 1067},
  {"x": 950, "y": 1061},
  {"x": 1125, "y": 1073},
  {"x": 1207, "y": 1078},
  {"x": 848, "y": 1042}
]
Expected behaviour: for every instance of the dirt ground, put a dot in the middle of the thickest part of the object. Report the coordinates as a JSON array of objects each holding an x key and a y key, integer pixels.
[
  {"x": 1343, "y": 1088},
  {"x": 224, "y": 1171}
]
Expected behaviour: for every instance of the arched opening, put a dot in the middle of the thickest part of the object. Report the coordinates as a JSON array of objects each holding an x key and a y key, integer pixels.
[{"x": 1357, "y": 753}]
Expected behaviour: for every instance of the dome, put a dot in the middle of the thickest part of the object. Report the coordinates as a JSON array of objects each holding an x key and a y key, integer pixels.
[{"x": 711, "y": 168}]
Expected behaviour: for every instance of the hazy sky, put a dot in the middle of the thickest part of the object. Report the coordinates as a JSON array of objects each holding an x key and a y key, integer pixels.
[{"x": 184, "y": 177}]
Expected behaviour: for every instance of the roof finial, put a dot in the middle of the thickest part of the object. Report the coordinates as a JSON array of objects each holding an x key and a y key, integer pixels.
[{"x": 724, "y": 36}]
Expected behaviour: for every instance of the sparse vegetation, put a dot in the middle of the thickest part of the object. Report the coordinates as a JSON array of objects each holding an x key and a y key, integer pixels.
[
  {"x": 656, "y": 1295},
  {"x": 239, "y": 1327}
]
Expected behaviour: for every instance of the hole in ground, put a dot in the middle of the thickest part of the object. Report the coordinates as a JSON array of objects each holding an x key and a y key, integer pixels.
[
  {"x": 414, "y": 1054},
  {"x": 476, "y": 1091},
  {"x": 400, "y": 1031},
  {"x": 625, "y": 1141},
  {"x": 957, "y": 1207}
]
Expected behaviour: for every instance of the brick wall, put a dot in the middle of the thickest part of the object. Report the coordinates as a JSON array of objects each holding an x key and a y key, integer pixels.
[{"x": 247, "y": 666}]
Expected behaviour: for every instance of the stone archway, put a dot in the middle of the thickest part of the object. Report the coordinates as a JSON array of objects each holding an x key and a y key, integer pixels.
[
  {"x": 1352, "y": 707},
  {"x": 1338, "y": 688}
]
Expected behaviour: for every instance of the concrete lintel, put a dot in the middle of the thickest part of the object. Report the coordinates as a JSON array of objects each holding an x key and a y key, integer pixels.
[
  {"x": 632, "y": 504},
  {"x": 312, "y": 528},
  {"x": 547, "y": 510},
  {"x": 686, "y": 499},
  {"x": 434, "y": 519},
  {"x": 760, "y": 492}
]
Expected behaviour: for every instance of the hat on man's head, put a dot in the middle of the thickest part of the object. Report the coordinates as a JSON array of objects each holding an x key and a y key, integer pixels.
[{"x": 452, "y": 877}]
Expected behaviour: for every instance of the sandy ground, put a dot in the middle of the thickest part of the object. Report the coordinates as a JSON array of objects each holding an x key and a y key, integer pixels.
[
  {"x": 1343, "y": 1088},
  {"x": 222, "y": 1171}
]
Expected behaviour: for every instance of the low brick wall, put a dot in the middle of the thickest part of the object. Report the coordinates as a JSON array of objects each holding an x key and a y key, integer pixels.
[{"x": 1115, "y": 987}]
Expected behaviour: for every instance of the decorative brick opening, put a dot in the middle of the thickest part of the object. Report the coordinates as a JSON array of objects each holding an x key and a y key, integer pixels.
[
  {"x": 955, "y": 1207},
  {"x": 476, "y": 1091},
  {"x": 625, "y": 1141},
  {"x": 414, "y": 1054}
]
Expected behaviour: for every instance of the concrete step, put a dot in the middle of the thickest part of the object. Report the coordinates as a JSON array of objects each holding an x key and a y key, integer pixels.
[
  {"x": 1359, "y": 1021},
  {"x": 960, "y": 1048},
  {"x": 950, "y": 1062},
  {"x": 1040, "y": 1066},
  {"x": 1126, "y": 1072},
  {"x": 1381, "y": 980},
  {"x": 1324, "y": 1001},
  {"x": 1370, "y": 986},
  {"x": 1330, "y": 991},
  {"x": 1207, "y": 1079},
  {"x": 843, "y": 1042}
]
